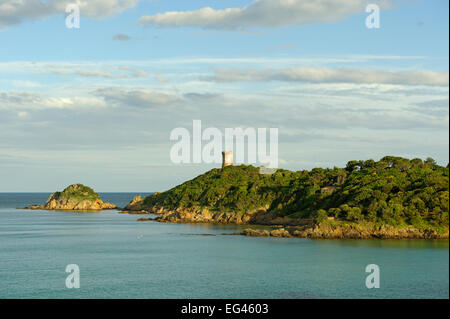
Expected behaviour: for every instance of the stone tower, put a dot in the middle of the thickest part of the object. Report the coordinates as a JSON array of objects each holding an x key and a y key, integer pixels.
[{"x": 227, "y": 159}]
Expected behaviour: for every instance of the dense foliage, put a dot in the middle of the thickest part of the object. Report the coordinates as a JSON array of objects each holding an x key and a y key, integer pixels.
[
  {"x": 78, "y": 192},
  {"x": 394, "y": 191}
]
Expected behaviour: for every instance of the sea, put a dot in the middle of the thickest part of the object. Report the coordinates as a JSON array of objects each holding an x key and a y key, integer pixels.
[{"x": 118, "y": 257}]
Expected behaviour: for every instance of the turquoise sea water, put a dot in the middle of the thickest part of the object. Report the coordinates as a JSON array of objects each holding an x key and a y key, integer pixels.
[{"x": 121, "y": 258}]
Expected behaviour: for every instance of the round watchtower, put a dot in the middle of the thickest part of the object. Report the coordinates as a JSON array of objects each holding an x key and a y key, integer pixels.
[{"x": 227, "y": 159}]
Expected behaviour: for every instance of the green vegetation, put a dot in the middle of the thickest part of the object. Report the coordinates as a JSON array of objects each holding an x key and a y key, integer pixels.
[
  {"x": 77, "y": 192},
  {"x": 394, "y": 191}
]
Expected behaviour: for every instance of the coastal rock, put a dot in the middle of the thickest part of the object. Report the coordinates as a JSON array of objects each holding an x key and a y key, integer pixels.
[
  {"x": 138, "y": 212},
  {"x": 256, "y": 233},
  {"x": 145, "y": 219},
  {"x": 280, "y": 233},
  {"x": 348, "y": 231},
  {"x": 299, "y": 228},
  {"x": 137, "y": 204},
  {"x": 202, "y": 215},
  {"x": 75, "y": 197}
]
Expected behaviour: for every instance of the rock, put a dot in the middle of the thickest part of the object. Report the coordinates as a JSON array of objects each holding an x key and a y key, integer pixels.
[
  {"x": 75, "y": 197},
  {"x": 255, "y": 233},
  {"x": 140, "y": 212},
  {"x": 366, "y": 231},
  {"x": 280, "y": 233},
  {"x": 145, "y": 219},
  {"x": 34, "y": 207},
  {"x": 137, "y": 204}
]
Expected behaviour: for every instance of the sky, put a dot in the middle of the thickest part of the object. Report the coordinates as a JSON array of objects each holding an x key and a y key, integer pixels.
[{"x": 97, "y": 104}]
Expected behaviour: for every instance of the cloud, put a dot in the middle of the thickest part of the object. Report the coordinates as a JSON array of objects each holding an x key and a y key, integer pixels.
[
  {"x": 314, "y": 128},
  {"x": 281, "y": 47},
  {"x": 329, "y": 75},
  {"x": 135, "y": 73},
  {"x": 136, "y": 98},
  {"x": 121, "y": 37},
  {"x": 22, "y": 114},
  {"x": 97, "y": 73},
  {"x": 161, "y": 79},
  {"x": 438, "y": 104},
  {"x": 126, "y": 73},
  {"x": 23, "y": 100},
  {"x": 14, "y": 12},
  {"x": 264, "y": 13}
]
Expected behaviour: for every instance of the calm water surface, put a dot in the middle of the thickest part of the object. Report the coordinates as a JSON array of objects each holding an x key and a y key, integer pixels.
[{"x": 121, "y": 258}]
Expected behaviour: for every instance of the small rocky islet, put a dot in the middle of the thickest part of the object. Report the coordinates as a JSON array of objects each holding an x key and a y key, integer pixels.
[{"x": 76, "y": 197}]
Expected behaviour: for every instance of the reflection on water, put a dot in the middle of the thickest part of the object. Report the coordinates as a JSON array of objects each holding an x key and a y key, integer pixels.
[{"x": 410, "y": 244}]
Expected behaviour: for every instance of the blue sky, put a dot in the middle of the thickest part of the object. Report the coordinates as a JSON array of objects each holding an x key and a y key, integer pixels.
[
  {"x": 411, "y": 28},
  {"x": 79, "y": 105}
]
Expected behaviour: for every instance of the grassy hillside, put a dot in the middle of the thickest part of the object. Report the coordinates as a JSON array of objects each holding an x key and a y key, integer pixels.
[{"x": 394, "y": 191}]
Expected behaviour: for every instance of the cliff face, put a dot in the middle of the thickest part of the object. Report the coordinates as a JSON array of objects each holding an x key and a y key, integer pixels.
[{"x": 74, "y": 197}]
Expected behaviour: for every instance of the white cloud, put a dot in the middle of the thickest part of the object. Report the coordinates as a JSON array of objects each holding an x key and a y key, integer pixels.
[
  {"x": 179, "y": 64},
  {"x": 95, "y": 73},
  {"x": 22, "y": 100},
  {"x": 125, "y": 72},
  {"x": 121, "y": 37},
  {"x": 329, "y": 75},
  {"x": 264, "y": 13},
  {"x": 14, "y": 12},
  {"x": 136, "y": 98},
  {"x": 320, "y": 125},
  {"x": 22, "y": 114},
  {"x": 133, "y": 72}
]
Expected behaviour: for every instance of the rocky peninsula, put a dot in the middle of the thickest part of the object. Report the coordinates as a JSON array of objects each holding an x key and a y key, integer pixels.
[
  {"x": 393, "y": 198},
  {"x": 75, "y": 197}
]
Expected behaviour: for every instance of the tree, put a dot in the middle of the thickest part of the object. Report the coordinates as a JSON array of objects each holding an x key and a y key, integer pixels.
[
  {"x": 430, "y": 161},
  {"x": 368, "y": 164},
  {"x": 321, "y": 216},
  {"x": 402, "y": 164},
  {"x": 351, "y": 166},
  {"x": 354, "y": 214},
  {"x": 416, "y": 162}
]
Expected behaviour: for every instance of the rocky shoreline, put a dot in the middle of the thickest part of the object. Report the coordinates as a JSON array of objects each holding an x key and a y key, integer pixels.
[
  {"x": 284, "y": 227},
  {"x": 81, "y": 206},
  {"x": 195, "y": 215},
  {"x": 346, "y": 231},
  {"x": 75, "y": 197},
  {"x": 323, "y": 231}
]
